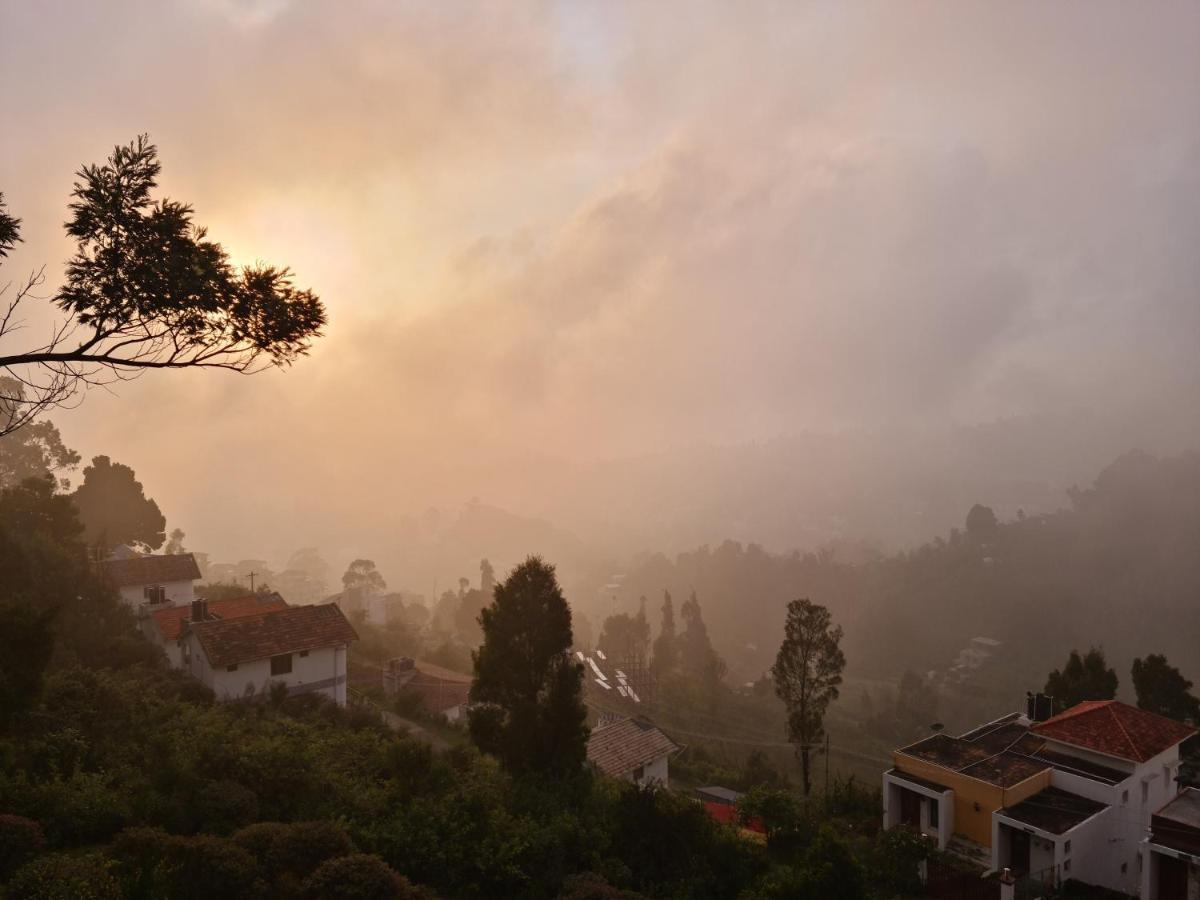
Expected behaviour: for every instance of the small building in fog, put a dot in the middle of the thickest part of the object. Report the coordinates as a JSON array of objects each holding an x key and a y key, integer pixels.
[
  {"x": 163, "y": 625},
  {"x": 632, "y": 750},
  {"x": 303, "y": 648},
  {"x": 156, "y": 581}
]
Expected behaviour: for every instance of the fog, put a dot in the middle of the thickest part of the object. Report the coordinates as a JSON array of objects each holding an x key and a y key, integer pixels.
[{"x": 652, "y": 275}]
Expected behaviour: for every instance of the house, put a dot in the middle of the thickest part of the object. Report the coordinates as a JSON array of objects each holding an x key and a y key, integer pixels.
[
  {"x": 155, "y": 580},
  {"x": 301, "y": 647},
  {"x": 440, "y": 691},
  {"x": 632, "y": 750},
  {"x": 1172, "y": 850},
  {"x": 1067, "y": 797},
  {"x": 163, "y": 625}
]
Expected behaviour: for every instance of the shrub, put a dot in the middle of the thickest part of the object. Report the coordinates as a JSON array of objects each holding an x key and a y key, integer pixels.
[
  {"x": 593, "y": 886},
  {"x": 206, "y": 866},
  {"x": 58, "y": 876},
  {"x": 21, "y": 839},
  {"x": 144, "y": 861},
  {"x": 223, "y": 806},
  {"x": 360, "y": 877}
]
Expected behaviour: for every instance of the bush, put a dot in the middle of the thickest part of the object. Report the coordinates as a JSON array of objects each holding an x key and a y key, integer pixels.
[
  {"x": 593, "y": 886},
  {"x": 144, "y": 860},
  {"x": 360, "y": 877},
  {"x": 207, "y": 866},
  {"x": 58, "y": 876},
  {"x": 223, "y": 806},
  {"x": 83, "y": 808},
  {"x": 21, "y": 839}
]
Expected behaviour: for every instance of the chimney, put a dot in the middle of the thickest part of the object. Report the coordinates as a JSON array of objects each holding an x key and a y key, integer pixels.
[{"x": 1039, "y": 707}]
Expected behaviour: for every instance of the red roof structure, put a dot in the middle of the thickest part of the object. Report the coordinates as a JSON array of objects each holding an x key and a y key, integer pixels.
[
  {"x": 616, "y": 750},
  {"x": 228, "y": 642},
  {"x": 139, "y": 570},
  {"x": 1115, "y": 729},
  {"x": 169, "y": 621}
]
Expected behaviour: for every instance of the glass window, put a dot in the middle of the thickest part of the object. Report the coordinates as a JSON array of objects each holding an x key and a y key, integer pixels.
[
  {"x": 281, "y": 665},
  {"x": 232, "y": 668}
]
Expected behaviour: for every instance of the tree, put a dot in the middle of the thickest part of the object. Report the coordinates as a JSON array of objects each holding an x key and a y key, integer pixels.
[
  {"x": 147, "y": 290},
  {"x": 114, "y": 509},
  {"x": 1082, "y": 678},
  {"x": 807, "y": 672},
  {"x": 528, "y": 688},
  {"x": 362, "y": 574},
  {"x": 666, "y": 654},
  {"x": 625, "y": 639},
  {"x": 175, "y": 544},
  {"x": 1162, "y": 689},
  {"x": 981, "y": 522},
  {"x": 360, "y": 876},
  {"x": 33, "y": 451}
]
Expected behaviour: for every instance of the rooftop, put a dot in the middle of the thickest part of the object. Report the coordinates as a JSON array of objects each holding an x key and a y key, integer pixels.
[
  {"x": 139, "y": 570},
  {"x": 1114, "y": 729},
  {"x": 169, "y": 620},
  {"x": 719, "y": 794},
  {"x": 1053, "y": 810},
  {"x": 1184, "y": 809},
  {"x": 1177, "y": 825},
  {"x": 228, "y": 642},
  {"x": 619, "y": 749}
]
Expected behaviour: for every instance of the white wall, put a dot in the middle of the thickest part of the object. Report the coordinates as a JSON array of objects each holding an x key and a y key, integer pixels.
[
  {"x": 321, "y": 671},
  {"x": 654, "y": 773},
  {"x": 178, "y": 593}
]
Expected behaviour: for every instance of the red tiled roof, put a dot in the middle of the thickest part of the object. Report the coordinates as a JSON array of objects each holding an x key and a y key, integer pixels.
[
  {"x": 169, "y": 620},
  {"x": 618, "y": 749},
  {"x": 151, "y": 570},
  {"x": 228, "y": 642},
  {"x": 1115, "y": 729}
]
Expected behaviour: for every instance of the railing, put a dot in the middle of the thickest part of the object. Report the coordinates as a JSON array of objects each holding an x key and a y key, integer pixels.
[{"x": 1033, "y": 885}]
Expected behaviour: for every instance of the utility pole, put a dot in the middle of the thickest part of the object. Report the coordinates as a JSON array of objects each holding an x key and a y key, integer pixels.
[{"x": 252, "y": 574}]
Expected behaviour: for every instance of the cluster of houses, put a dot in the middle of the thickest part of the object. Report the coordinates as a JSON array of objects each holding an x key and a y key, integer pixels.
[
  {"x": 240, "y": 646},
  {"x": 1090, "y": 794}
]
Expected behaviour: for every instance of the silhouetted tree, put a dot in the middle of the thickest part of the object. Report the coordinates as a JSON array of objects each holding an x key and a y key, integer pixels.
[
  {"x": 666, "y": 654},
  {"x": 175, "y": 543},
  {"x": 528, "y": 688},
  {"x": 625, "y": 638},
  {"x": 33, "y": 451},
  {"x": 1082, "y": 678},
  {"x": 1161, "y": 688},
  {"x": 362, "y": 574},
  {"x": 146, "y": 290},
  {"x": 981, "y": 522},
  {"x": 807, "y": 672},
  {"x": 114, "y": 509}
]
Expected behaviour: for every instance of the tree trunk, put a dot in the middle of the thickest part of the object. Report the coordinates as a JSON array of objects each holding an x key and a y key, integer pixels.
[{"x": 805, "y": 764}]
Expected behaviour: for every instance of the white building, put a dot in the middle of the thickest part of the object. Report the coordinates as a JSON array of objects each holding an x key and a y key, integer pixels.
[
  {"x": 632, "y": 750},
  {"x": 163, "y": 625},
  {"x": 1171, "y": 851},
  {"x": 301, "y": 647},
  {"x": 154, "y": 580},
  {"x": 1070, "y": 797}
]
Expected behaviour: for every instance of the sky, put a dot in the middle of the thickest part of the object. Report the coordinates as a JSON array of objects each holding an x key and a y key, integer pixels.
[{"x": 591, "y": 262}]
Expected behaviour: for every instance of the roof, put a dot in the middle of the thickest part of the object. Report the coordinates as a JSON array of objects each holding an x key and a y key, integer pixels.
[
  {"x": 169, "y": 621},
  {"x": 1177, "y": 825},
  {"x": 1053, "y": 810},
  {"x": 227, "y": 642},
  {"x": 139, "y": 570},
  {"x": 987, "y": 753},
  {"x": 915, "y": 781},
  {"x": 1115, "y": 729},
  {"x": 719, "y": 794},
  {"x": 619, "y": 749},
  {"x": 1184, "y": 809}
]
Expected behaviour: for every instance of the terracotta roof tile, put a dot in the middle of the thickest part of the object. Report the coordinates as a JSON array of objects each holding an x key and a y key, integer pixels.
[
  {"x": 232, "y": 641},
  {"x": 1115, "y": 729},
  {"x": 169, "y": 620},
  {"x": 139, "y": 570},
  {"x": 618, "y": 749}
]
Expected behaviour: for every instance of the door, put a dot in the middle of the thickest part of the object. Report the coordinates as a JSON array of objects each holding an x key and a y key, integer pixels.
[
  {"x": 1172, "y": 878},
  {"x": 910, "y": 808},
  {"x": 1018, "y": 853}
]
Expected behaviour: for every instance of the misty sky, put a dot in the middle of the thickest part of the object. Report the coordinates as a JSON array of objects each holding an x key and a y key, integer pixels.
[{"x": 556, "y": 234}]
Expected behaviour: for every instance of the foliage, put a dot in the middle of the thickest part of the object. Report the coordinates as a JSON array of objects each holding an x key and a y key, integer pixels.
[
  {"x": 1083, "y": 678},
  {"x": 175, "y": 543},
  {"x": 625, "y": 639},
  {"x": 666, "y": 654},
  {"x": 783, "y": 817},
  {"x": 361, "y": 574},
  {"x": 35, "y": 451},
  {"x": 359, "y": 877},
  {"x": 26, "y": 642},
  {"x": 807, "y": 672},
  {"x": 981, "y": 523},
  {"x": 528, "y": 687},
  {"x": 894, "y": 859},
  {"x": 1162, "y": 689},
  {"x": 59, "y": 876},
  {"x": 114, "y": 509},
  {"x": 20, "y": 840}
]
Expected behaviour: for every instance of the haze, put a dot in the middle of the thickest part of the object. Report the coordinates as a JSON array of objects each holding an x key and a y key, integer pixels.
[{"x": 657, "y": 274}]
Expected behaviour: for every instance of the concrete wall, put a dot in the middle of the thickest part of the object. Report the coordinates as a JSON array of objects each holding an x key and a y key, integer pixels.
[
  {"x": 178, "y": 593},
  {"x": 656, "y": 772}
]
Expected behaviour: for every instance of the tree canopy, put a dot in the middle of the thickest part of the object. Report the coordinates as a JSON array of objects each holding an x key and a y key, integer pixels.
[
  {"x": 1086, "y": 677},
  {"x": 1162, "y": 689},
  {"x": 528, "y": 688},
  {"x": 146, "y": 289},
  {"x": 114, "y": 509}
]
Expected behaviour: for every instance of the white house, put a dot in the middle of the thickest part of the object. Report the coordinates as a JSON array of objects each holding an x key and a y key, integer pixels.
[
  {"x": 302, "y": 647},
  {"x": 1171, "y": 852},
  {"x": 163, "y": 625},
  {"x": 154, "y": 580},
  {"x": 1069, "y": 797},
  {"x": 632, "y": 750}
]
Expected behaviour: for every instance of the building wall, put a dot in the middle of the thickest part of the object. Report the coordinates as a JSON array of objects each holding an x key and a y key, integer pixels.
[
  {"x": 656, "y": 772},
  {"x": 322, "y": 671},
  {"x": 974, "y": 824},
  {"x": 178, "y": 593}
]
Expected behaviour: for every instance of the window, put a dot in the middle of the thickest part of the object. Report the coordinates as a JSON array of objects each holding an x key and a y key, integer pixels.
[
  {"x": 1145, "y": 792},
  {"x": 303, "y": 653},
  {"x": 639, "y": 773},
  {"x": 232, "y": 668},
  {"x": 1067, "y": 848},
  {"x": 1067, "y": 866},
  {"x": 281, "y": 665},
  {"x": 933, "y": 813},
  {"x": 1124, "y": 867},
  {"x": 1124, "y": 797}
]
